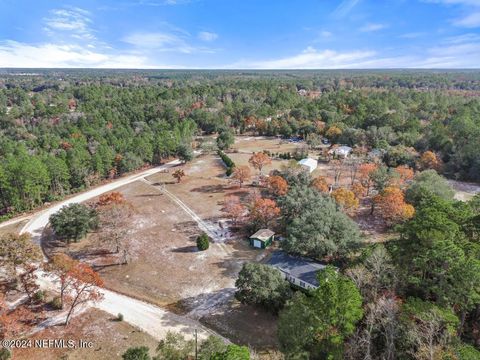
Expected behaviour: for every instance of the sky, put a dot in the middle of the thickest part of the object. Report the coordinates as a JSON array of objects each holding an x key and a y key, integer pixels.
[{"x": 240, "y": 34}]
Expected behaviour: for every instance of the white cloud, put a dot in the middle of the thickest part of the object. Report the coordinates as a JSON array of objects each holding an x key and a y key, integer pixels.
[
  {"x": 176, "y": 2},
  {"x": 472, "y": 20},
  {"x": 17, "y": 54},
  {"x": 325, "y": 34},
  {"x": 462, "y": 51},
  {"x": 463, "y": 38},
  {"x": 469, "y": 21},
  {"x": 157, "y": 40},
  {"x": 164, "y": 42},
  {"x": 344, "y": 8},
  {"x": 73, "y": 22},
  {"x": 310, "y": 58},
  {"x": 207, "y": 36},
  {"x": 372, "y": 27}
]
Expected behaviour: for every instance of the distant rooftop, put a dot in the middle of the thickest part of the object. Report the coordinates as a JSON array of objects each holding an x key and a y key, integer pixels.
[{"x": 298, "y": 267}]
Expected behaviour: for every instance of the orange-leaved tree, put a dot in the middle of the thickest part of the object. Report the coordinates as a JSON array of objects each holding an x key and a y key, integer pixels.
[
  {"x": 405, "y": 174},
  {"x": 84, "y": 287},
  {"x": 114, "y": 197},
  {"x": 358, "y": 189},
  {"x": 259, "y": 160},
  {"x": 333, "y": 132},
  {"x": 429, "y": 160},
  {"x": 263, "y": 212},
  {"x": 241, "y": 174},
  {"x": 320, "y": 184},
  {"x": 61, "y": 265},
  {"x": 277, "y": 185},
  {"x": 234, "y": 208},
  {"x": 393, "y": 207},
  {"x": 364, "y": 172},
  {"x": 345, "y": 198}
]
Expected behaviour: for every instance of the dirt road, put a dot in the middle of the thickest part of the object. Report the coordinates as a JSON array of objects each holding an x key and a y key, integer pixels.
[{"x": 39, "y": 221}]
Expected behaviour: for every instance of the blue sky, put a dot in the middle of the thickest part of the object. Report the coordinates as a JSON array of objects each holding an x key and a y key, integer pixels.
[{"x": 262, "y": 34}]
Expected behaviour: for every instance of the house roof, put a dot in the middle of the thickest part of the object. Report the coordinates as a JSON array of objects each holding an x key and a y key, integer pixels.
[
  {"x": 262, "y": 234},
  {"x": 298, "y": 267},
  {"x": 311, "y": 163},
  {"x": 344, "y": 148},
  {"x": 341, "y": 150}
]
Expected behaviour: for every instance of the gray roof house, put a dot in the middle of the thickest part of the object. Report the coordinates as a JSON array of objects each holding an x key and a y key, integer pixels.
[{"x": 298, "y": 271}]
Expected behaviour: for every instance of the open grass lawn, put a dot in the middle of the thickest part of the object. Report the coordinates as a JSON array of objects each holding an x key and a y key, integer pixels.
[{"x": 110, "y": 338}]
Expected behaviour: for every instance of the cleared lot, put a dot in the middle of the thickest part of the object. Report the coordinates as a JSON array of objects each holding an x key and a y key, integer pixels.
[{"x": 110, "y": 339}]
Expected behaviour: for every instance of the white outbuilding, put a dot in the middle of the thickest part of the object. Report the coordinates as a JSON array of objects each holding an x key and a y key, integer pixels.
[
  {"x": 341, "y": 151},
  {"x": 309, "y": 164}
]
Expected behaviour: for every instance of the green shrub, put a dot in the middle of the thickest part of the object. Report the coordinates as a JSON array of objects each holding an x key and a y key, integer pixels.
[
  {"x": 136, "y": 353},
  {"x": 227, "y": 161},
  {"x": 5, "y": 354},
  {"x": 120, "y": 317},
  {"x": 39, "y": 295},
  {"x": 203, "y": 242},
  {"x": 56, "y": 303}
]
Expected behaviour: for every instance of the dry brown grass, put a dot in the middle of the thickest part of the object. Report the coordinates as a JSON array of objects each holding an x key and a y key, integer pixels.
[
  {"x": 255, "y": 144},
  {"x": 13, "y": 228},
  {"x": 245, "y": 324},
  {"x": 110, "y": 338}
]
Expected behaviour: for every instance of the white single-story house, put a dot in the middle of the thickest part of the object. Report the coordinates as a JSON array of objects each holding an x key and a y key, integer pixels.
[
  {"x": 341, "y": 151},
  {"x": 298, "y": 271},
  {"x": 309, "y": 164}
]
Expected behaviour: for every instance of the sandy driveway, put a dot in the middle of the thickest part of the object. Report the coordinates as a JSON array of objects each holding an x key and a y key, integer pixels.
[
  {"x": 150, "y": 318},
  {"x": 464, "y": 191}
]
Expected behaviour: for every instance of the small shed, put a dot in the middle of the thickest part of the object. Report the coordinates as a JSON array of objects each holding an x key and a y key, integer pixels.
[
  {"x": 309, "y": 164},
  {"x": 262, "y": 238}
]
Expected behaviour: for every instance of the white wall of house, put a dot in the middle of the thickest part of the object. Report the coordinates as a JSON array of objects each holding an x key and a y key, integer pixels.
[{"x": 296, "y": 281}]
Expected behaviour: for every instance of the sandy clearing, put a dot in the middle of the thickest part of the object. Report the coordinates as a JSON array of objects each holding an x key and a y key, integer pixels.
[{"x": 150, "y": 318}]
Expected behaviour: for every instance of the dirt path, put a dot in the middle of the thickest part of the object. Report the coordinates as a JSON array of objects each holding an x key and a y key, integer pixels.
[
  {"x": 218, "y": 235},
  {"x": 150, "y": 318},
  {"x": 209, "y": 301}
]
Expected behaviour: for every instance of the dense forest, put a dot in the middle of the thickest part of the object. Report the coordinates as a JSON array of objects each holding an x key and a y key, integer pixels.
[{"x": 64, "y": 130}]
